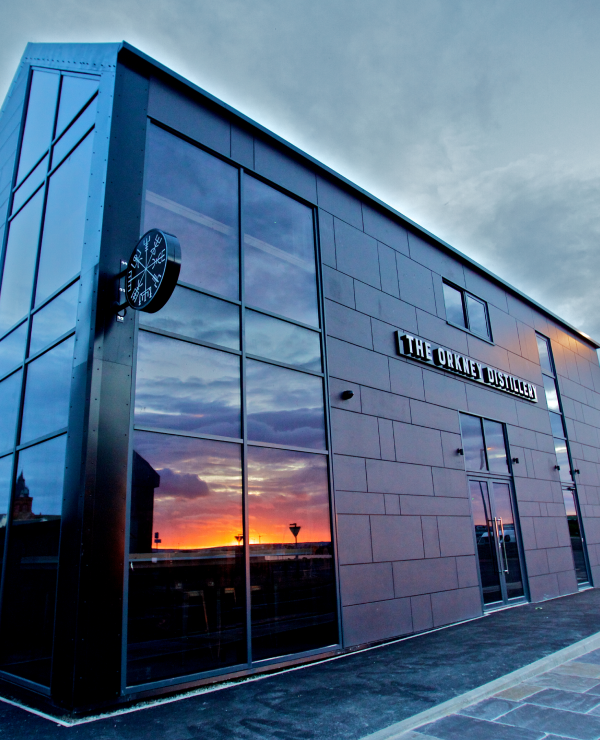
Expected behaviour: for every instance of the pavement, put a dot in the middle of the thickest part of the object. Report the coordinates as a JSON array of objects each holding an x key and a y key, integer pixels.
[
  {"x": 560, "y": 703},
  {"x": 377, "y": 691}
]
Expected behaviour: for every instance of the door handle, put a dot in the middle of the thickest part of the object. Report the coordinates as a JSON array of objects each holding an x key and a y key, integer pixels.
[{"x": 500, "y": 530}]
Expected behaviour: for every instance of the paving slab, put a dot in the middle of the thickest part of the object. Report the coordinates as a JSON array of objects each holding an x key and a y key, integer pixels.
[
  {"x": 572, "y": 724},
  {"x": 358, "y": 694},
  {"x": 565, "y": 700}
]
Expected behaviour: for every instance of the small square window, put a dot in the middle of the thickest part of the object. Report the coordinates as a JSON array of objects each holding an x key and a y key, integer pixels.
[{"x": 467, "y": 311}]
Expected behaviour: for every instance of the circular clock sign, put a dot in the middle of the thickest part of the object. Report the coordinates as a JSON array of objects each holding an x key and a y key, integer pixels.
[{"x": 152, "y": 271}]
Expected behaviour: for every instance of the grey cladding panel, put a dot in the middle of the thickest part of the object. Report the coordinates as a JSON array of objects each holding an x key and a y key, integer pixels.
[
  {"x": 339, "y": 202},
  {"x": 520, "y": 310},
  {"x": 396, "y": 538},
  {"x": 436, "y": 259},
  {"x": 377, "y": 621},
  {"x": 285, "y": 171},
  {"x": 188, "y": 116},
  {"x": 455, "y": 606},
  {"x": 385, "y": 405},
  {"x": 388, "y": 271},
  {"x": 504, "y": 330},
  {"x": 484, "y": 288},
  {"x": 242, "y": 147},
  {"x": 354, "y": 539},
  {"x": 412, "y": 578},
  {"x": 407, "y": 379},
  {"x": 338, "y": 287},
  {"x": 356, "y": 253},
  {"x": 391, "y": 477},
  {"x": 354, "y": 434},
  {"x": 349, "y": 473},
  {"x": 344, "y": 323},
  {"x": 326, "y": 238},
  {"x": 370, "y": 582},
  {"x": 416, "y": 285},
  {"x": 384, "y": 229},
  {"x": 348, "y": 362},
  {"x": 385, "y": 307}
]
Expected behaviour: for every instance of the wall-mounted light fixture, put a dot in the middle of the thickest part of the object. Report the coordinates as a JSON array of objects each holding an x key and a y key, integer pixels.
[
  {"x": 515, "y": 460},
  {"x": 347, "y": 395},
  {"x": 460, "y": 451}
]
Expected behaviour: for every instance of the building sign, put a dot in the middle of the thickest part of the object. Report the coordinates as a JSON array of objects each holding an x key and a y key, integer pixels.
[
  {"x": 152, "y": 271},
  {"x": 445, "y": 359}
]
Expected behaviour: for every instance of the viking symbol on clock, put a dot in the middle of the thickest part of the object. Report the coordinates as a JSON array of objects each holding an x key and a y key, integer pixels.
[{"x": 152, "y": 271}]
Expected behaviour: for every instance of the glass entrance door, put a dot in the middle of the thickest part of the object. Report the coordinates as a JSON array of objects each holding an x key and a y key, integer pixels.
[
  {"x": 577, "y": 542},
  {"x": 497, "y": 544}
]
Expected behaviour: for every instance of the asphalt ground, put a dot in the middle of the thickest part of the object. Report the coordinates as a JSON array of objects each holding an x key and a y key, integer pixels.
[{"x": 349, "y": 697}]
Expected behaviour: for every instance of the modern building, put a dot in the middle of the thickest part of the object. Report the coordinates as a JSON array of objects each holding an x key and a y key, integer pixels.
[{"x": 338, "y": 430}]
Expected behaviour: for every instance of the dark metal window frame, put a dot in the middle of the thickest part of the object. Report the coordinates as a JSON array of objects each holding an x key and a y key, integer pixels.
[
  {"x": 573, "y": 485},
  {"x": 249, "y": 666},
  {"x": 488, "y": 476},
  {"x": 464, "y": 293},
  {"x": 509, "y": 479}
]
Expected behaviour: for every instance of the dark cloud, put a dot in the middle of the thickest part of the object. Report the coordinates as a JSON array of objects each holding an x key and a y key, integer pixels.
[
  {"x": 182, "y": 485},
  {"x": 477, "y": 120}
]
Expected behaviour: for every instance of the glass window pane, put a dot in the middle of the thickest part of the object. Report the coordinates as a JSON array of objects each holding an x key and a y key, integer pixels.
[
  {"x": 477, "y": 317},
  {"x": 508, "y": 540},
  {"x": 186, "y": 387},
  {"x": 278, "y": 340},
  {"x": 10, "y": 396},
  {"x": 562, "y": 459},
  {"x": 284, "y": 406},
  {"x": 291, "y": 558},
  {"x": 83, "y": 124},
  {"x": 551, "y": 394},
  {"x": 31, "y": 183},
  {"x": 485, "y": 535},
  {"x": 199, "y": 317},
  {"x": 473, "y": 447},
  {"x": 40, "y": 119},
  {"x": 280, "y": 273},
  {"x": 6, "y": 464},
  {"x": 75, "y": 91},
  {"x": 12, "y": 349},
  {"x": 32, "y": 564},
  {"x": 195, "y": 197},
  {"x": 186, "y": 565},
  {"x": 545, "y": 357},
  {"x": 19, "y": 264},
  {"x": 556, "y": 422},
  {"x": 575, "y": 535},
  {"x": 496, "y": 446},
  {"x": 46, "y": 406},
  {"x": 64, "y": 224},
  {"x": 455, "y": 312},
  {"x": 54, "y": 320}
]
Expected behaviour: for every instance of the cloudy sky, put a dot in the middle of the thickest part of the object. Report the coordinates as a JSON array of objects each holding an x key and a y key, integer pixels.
[{"x": 476, "y": 118}]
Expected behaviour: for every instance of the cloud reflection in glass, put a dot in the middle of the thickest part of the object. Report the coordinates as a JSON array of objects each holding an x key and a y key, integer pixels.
[{"x": 184, "y": 387}]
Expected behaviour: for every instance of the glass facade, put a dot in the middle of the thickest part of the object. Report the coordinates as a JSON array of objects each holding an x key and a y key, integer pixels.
[
  {"x": 38, "y": 306},
  {"x": 230, "y": 542},
  {"x": 485, "y": 450},
  {"x": 563, "y": 458}
]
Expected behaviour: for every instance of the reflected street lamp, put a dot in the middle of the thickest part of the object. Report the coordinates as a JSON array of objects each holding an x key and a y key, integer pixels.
[{"x": 295, "y": 529}]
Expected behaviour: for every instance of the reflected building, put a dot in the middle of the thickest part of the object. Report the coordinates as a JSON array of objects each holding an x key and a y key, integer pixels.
[{"x": 337, "y": 431}]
